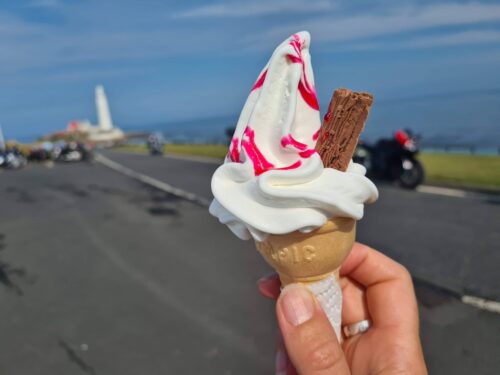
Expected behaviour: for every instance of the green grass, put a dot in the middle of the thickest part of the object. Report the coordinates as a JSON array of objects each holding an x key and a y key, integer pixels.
[
  {"x": 449, "y": 169},
  {"x": 213, "y": 151},
  {"x": 479, "y": 171}
]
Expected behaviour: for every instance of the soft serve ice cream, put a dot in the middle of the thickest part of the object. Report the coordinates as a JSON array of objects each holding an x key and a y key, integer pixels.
[{"x": 273, "y": 181}]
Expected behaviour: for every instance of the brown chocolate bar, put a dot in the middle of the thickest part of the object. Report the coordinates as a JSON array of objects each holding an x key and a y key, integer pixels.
[{"x": 343, "y": 123}]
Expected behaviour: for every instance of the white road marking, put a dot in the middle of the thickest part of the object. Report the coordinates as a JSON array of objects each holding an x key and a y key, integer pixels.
[
  {"x": 442, "y": 191},
  {"x": 477, "y": 302},
  {"x": 482, "y": 304},
  {"x": 152, "y": 181},
  {"x": 458, "y": 193}
]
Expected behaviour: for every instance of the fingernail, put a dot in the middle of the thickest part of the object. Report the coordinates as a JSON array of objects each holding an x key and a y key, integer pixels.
[{"x": 297, "y": 304}]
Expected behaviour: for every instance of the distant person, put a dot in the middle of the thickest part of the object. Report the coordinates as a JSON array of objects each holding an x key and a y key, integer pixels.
[
  {"x": 156, "y": 143},
  {"x": 229, "y": 134},
  {"x": 378, "y": 293}
]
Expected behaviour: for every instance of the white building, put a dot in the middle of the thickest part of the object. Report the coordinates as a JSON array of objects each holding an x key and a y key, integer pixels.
[{"x": 104, "y": 131}]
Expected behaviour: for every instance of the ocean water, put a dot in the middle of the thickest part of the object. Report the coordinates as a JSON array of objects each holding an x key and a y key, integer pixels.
[
  {"x": 203, "y": 130},
  {"x": 438, "y": 138},
  {"x": 458, "y": 123}
]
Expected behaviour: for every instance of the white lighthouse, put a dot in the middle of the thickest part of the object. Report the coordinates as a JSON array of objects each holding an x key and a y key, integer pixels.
[
  {"x": 104, "y": 121},
  {"x": 104, "y": 131}
]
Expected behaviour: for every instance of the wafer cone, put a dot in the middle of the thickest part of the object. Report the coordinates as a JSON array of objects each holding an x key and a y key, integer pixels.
[
  {"x": 309, "y": 257},
  {"x": 314, "y": 259}
]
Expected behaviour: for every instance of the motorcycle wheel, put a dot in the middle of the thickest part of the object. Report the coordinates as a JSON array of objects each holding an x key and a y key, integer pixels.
[
  {"x": 363, "y": 156},
  {"x": 412, "y": 174}
]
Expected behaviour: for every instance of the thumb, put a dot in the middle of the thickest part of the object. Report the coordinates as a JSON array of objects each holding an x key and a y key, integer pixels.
[{"x": 309, "y": 338}]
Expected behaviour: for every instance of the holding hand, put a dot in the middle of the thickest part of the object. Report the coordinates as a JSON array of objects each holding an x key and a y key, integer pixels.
[{"x": 374, "y": 288}]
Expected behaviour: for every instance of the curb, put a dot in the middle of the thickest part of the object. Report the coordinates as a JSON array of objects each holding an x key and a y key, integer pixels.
[
  {"x": 469, "y": 189},
  {"x": 458, "y": 193}
]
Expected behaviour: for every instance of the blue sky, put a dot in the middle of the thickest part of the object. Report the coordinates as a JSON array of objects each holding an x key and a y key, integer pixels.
[{"x": 432, "y": 65}]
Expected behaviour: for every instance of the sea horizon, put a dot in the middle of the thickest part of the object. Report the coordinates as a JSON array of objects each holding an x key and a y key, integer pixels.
[
  {"x": 191, "y": 132},
  {"x": 470, "y": 119}
]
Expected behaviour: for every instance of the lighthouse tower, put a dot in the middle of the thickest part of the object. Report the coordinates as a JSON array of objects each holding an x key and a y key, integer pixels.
[
  {"x": 104, "y": 121},
  {"x": 104, "y": 132}
]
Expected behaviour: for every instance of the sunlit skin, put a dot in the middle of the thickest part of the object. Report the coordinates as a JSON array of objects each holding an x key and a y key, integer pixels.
[{"x": 374, "y": 287}]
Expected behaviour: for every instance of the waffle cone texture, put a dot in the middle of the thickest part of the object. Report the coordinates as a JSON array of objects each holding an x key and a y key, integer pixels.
[{"x": 310, "y": 257}]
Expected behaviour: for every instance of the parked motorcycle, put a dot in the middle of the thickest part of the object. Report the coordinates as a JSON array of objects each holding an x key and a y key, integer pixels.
[
  {"x": 41, "y": 152},
  {"x": 75, "y": 151},
  {"x": 12, "y": 159},
  {"x": 156, "y": 144},
  {"x": 393, "y": 159}
]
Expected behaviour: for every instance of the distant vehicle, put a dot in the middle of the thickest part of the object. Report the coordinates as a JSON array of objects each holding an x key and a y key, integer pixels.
[
  {"x": 156, "y": 143},
  {"x": 74, "y": 151},
  {"x": 12, "y": 159},
  {"x": 41, "y": 152},
  {"x": 393, "y": 159},
  {"x": 229, "y": 131}
]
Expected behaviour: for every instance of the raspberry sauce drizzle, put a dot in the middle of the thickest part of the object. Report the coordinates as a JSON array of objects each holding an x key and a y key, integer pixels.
[
  {"x": 260, "y": 81},
  {"x": 316, "y": 135},
  {"x": 290, "y": 141},
  {"x": 248, "y": 143},
  {"x": 234, "y": 152},
  {"x": 307, "y": 91},
  {"x": 259, "y": 161}
]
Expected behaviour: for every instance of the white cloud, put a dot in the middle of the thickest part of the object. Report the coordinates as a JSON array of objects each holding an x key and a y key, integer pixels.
[
  {"x": 13, "y": 27},
  {"x": 452, "y": 39},
  {"x": 255, "y": 8},
  {"x": 466, "y": 37},
  {"x": 36, "y": 45},
  {"x": 76, "y": 75},
  {"x": 365, "y": 26},
  {"x": 32, "y": 45}
]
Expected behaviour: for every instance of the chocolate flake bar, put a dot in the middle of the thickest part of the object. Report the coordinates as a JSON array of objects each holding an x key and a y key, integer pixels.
[{"x": 342, "y": 126}]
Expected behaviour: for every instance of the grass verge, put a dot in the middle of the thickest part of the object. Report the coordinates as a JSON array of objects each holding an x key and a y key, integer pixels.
[
  {"x": 213, "y": 151},
  {"x": 473, "y": 171}
]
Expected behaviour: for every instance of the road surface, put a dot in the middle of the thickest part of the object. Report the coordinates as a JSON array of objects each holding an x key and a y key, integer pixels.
[{"x": 101, "y": 274}]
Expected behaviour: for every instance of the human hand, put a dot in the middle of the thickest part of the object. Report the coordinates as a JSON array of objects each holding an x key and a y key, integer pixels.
[{"x": 373, "y": 287}]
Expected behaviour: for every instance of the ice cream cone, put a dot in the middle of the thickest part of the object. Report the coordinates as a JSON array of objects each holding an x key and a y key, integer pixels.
[
  {"x": 280, "y": 176},
  {"x": 309, "y": 257},
  {"x": 314, "y": 259}
]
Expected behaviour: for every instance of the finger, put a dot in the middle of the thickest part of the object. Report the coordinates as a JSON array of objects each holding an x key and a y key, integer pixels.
[
  {"x": 283, "y": 364},
  {"x": 309, "y": 338},
  {"x": 270, "y": 286},
  {"x": 390, "y": 295},
  {"x": 354, "y": 308}
]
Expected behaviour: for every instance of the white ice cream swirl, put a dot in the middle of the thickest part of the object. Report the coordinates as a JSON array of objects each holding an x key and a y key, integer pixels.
[{"x": 273, "y": 181}]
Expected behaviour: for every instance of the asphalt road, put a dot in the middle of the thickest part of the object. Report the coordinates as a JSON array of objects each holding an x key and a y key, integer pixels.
[
  {"x": 100, "y": 274},
  {"x": 451, "y": 242}
]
